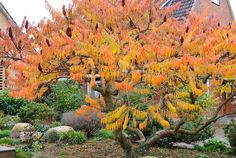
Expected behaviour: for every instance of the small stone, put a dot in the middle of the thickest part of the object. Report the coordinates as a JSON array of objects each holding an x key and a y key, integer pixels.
[{"x": 183, "y": 145}]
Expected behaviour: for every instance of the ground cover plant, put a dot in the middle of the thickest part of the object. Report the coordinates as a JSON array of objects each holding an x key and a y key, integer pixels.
[{"x": 134, "y": 46}]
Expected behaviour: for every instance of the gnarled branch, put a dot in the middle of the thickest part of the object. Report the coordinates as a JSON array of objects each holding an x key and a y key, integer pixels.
[{"x": 138, "y": 133}]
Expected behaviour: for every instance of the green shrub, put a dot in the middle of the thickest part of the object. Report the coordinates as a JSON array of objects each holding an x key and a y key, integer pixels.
[
  {"x": 104, "y": 134},
  {"x": 3, "y": 120},
  {"x": 213, "y": 146},
  {"x": 73, "y": 137},
  {"x": 10, "y": 106},
  {"x": 65, "y": 96},
  {"x": 36, "y": 111},
  {"x": 4, "y": 133},
  {"x": 9, "y": 141},
  {"x": 8, "y": 121},
  {"x": 20, "y": 153},
  {"x": 37, "y": 146},
  {"x": 230, "y": 132},
  {"x": 52, "y": 137}
]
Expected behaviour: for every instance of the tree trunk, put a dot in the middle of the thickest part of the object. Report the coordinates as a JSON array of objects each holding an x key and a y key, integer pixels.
[
  {"x": 124, "y": 143},
  {"x": 108, "y": 101}
]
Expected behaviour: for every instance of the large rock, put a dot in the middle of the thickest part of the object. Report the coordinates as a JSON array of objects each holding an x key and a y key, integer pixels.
[
  {"x": 59, "y": 129},
  {"x": 21, "y": 127}
]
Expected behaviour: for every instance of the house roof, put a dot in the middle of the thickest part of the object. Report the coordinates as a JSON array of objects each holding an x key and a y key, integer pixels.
[
  {"x": 185, "y": 7},
  {"x": 6, "y": 13}
]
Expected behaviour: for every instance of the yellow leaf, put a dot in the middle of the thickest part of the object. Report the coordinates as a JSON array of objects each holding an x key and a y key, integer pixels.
[
  {"x": 171, "y": 107},
  {"x": 143, "y": 124},
  {"x": 126, "y": 121}
]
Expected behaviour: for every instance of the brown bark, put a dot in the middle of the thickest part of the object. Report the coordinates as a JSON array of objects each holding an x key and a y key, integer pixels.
[
  {"x": 157, "y": 137},
  {"x": 138, "y": 133},
  {"x": 124, "y": 143},
  {"x": 108, "y": 101}
]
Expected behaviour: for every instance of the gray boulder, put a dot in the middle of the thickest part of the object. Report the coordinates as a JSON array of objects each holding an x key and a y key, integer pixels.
[{"x": 59, "y": 129}]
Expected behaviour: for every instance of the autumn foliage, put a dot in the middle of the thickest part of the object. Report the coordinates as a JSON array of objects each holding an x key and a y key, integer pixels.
[{"x": 133, "y": 45}]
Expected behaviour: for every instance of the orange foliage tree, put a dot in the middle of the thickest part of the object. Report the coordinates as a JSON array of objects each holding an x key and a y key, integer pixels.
[{"x": 133, "y": 45}]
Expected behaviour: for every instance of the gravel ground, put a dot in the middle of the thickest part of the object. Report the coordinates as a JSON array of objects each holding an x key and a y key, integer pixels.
[{"x": 110, "y": 149}]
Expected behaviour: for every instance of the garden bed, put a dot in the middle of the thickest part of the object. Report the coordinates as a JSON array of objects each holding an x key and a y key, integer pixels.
[{"x": 109, "y": 149}]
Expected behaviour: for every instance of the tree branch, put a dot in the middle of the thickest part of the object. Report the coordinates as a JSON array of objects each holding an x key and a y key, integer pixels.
[
  {"x": 138, "y": 133},
  {"x": 205, "y": 125},
  {"x": 214, "y": 118}
]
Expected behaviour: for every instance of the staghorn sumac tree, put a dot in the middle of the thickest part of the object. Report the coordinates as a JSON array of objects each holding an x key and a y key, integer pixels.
[{"x": 133, "y": 45}]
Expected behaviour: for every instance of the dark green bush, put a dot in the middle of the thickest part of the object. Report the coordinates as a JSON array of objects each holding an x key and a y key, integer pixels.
[
  {"x": 9, "y": 141},
  {"x": 213, "y": 146},
  {"x": 10, "y": 106},
  {"x": 65, "y": 96},
  {"x": 73, "y": 137},
  {"x": 36, "y": 111},
  {"x": 230, "y": 132},
  {"x": 52, "y": 137},
  {"x": 104, "y": 134}
]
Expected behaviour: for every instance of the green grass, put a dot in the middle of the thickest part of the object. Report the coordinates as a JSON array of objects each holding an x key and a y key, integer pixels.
[
  {"x": 9, "y": 141},
  {"x": 104, "y": 134},
  {"x": 20, "y": 153},
  {"x": 4, "y": 133}
]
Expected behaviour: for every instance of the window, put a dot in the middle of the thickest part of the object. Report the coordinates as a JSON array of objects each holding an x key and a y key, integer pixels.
[
  {"x": 2, "y": 78},
  {"x": 166, "y": 3},
  {"x": 216, "y": 2}
]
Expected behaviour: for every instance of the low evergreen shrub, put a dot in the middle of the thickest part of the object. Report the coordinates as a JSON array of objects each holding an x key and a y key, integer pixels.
[
  {"x": 36, "y": 111},
  {"x": 73, "y": 137}
]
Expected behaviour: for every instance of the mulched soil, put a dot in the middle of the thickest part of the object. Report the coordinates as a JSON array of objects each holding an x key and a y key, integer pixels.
[{"x": 110, "y": 149}]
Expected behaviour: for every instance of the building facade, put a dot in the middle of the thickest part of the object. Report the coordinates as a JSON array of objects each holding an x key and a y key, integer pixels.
[
  {"x": 5, "y": 18},
  {"x": 217, "y": 9}
]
